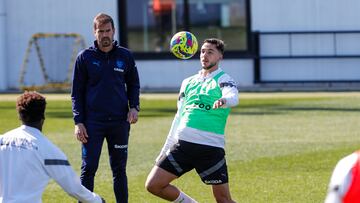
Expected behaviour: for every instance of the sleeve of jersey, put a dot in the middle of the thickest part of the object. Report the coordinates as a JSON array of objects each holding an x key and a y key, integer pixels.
[
  {"x": 172, "y": 139},
  {"x": 78, "y": 89},
  {"x": 229, "y": 91},
  {"x": 58, "y": 168},
  {"x": 340, "y": 179},
  {"x": 132, "y": 83}
]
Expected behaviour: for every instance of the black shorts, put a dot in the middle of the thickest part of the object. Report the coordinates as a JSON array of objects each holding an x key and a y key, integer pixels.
[{"x": 209, "y": 162}]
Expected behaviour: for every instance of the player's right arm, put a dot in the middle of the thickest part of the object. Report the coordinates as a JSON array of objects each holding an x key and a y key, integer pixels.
[
  {"x": 172, "y": 138},
  {"x": 58, "y": 168}
]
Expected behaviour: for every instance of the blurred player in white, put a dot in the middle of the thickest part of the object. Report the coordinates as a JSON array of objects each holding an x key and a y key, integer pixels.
[
  {"x": 196, "y": 139},
  {"x": 28, "y": 160},
  {"x": 344, "y": 185}
]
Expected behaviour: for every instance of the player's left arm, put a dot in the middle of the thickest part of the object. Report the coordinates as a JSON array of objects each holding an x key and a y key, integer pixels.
[
  {"x": 230, "y": 94},
  {"x": 171, "y": 138}
]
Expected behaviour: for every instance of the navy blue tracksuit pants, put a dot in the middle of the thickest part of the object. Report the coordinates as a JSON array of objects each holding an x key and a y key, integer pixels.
[{"x": 116, "y": 134}]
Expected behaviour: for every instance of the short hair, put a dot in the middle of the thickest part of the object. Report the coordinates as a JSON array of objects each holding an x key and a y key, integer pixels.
[
  {"x": 219, "y": 44},
  {"x": 31, "y": 107},
  {"x": 102, "y": 19}
]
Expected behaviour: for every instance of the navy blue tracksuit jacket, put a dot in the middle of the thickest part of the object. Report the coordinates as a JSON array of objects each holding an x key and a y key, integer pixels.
[{"x": 105, "y": 85}]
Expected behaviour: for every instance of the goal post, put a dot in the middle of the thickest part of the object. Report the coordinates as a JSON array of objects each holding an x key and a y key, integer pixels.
[{"x": 49, "y": 60}]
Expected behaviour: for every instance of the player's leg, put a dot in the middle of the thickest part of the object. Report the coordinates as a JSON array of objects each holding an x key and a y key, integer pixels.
[
  {"x": 212, "y": 169},
  {"x": 91, "y": 154},
  {"x": 222, "y": 193},
  {"x": 117, "y": 137},
  {"x": 158, "y": 183},
  {"x": 169, "y": 167}
]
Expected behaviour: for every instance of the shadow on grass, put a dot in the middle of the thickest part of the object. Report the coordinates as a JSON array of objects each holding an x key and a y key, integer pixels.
[
  {"x": 281, "y": 109},
  {"x": 319, "y": 109},
  {"x": 146, "y": 112},
  {"x": 257, "y": 113},
  {"x": 57, "y": 108},
  {"x": 8, "y": 107},
  {"x": 157, "y": 112},
  {"x": 255, "y": 110},
  {"x": 59, "y": 114}
]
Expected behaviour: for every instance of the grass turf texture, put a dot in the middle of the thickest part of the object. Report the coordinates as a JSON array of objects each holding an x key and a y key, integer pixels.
[{"x": 281, "y": 147}]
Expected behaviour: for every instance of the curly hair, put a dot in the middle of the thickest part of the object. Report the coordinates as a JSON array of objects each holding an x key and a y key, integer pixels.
[{"x": 31, "y": 107}]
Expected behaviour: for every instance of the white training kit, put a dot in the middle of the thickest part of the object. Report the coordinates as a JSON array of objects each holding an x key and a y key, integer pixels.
[
  {"x": 341, "y": 179},
  {"x": 28, "y": 160}
]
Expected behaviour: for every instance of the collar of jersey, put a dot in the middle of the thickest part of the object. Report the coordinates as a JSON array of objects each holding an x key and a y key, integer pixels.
[{"x": 212, "y": 74}]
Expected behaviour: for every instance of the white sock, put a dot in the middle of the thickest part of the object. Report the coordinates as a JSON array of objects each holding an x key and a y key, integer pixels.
[{"x": 184, "y": 198}]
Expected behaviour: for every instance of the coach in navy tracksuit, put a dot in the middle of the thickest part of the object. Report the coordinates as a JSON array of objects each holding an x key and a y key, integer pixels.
[{"x": 105, "y": 101}]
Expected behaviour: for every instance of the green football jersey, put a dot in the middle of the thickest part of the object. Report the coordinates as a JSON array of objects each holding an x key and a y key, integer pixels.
[{"x": 197, "y": 111}]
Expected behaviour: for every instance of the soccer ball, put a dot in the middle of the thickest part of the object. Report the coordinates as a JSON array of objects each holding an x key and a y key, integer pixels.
[{"x": 183, "y": 45}]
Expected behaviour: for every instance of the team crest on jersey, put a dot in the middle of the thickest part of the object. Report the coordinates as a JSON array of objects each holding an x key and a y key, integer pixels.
[{"x": 119, "y": 66}]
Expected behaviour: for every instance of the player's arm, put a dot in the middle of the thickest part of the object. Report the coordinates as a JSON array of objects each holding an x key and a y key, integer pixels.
[
  {"x": 340, "y": 179},
  {"x": 71, "y": 185},
  {"x": 57, "y": 167},
  {"x": 230, "y": 94},
  {"x": 171, "y": 138}
]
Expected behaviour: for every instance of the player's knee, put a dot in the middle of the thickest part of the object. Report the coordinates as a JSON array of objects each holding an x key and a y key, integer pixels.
[{"x": 152, "y": 187}]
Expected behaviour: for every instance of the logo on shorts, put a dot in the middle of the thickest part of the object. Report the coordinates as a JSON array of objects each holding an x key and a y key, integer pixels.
[
  {"x": 120, "y": 146},
  {"x": 213, "y": 181}
]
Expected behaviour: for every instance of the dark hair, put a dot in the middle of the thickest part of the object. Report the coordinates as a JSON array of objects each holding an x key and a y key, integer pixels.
[
  {"x": 219, "y": 44},
  {"x": 31, "y": 107},
  {"x": 101, "y": 19}
]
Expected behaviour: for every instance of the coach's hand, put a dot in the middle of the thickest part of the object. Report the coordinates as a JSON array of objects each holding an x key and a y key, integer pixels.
[
  {"x": 132, "y": 116},
  {"x": 80, "y": 133}
]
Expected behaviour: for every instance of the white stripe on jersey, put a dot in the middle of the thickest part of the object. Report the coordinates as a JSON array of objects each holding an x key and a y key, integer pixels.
[{"x": 200, "y": 137}]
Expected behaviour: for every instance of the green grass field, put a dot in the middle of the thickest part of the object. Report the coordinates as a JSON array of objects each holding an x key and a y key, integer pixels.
[{"x": 281, "y": 147}]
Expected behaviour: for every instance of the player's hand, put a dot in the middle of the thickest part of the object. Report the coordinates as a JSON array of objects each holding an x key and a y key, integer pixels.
[
  {"x": 219, "y": 103},
  {"x": 132, "y": 116},
  {"x": 80, "y": 133}
]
